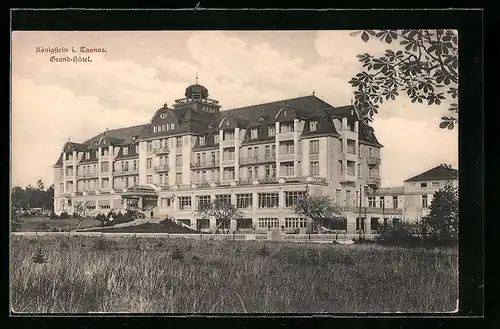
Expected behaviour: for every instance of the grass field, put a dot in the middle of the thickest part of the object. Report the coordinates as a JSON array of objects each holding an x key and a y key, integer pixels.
[
  {"x": 29, "y": 224},
  {"x": 86, "y": 274}
]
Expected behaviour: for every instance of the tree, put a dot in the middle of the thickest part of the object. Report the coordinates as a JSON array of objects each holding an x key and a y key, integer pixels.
[
  {"x": 40, "y": 185},
  {"x": 222, "y": 211},
  {"x": 321, "y": 210},
  {"x": 424, "y": 65},
  {"x": 441, "y": 223},
  {"x": 80, "y": 211}
]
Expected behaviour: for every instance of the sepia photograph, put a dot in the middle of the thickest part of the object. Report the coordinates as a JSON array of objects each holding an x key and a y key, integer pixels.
[{"x": 232, "y": 171}]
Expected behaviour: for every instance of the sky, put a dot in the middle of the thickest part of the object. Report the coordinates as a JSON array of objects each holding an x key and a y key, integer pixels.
[{"x": 140, "y": 71}]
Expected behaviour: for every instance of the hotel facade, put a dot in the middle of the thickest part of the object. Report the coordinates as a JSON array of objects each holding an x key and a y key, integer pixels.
[{"x": 261, "y": 158}]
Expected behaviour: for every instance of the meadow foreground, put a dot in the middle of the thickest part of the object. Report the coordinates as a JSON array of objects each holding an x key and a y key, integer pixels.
[{"x": 87, "y": 274}]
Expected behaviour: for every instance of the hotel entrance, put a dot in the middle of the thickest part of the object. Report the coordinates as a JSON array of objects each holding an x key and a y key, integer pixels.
[{"x": 142, "y": 198}]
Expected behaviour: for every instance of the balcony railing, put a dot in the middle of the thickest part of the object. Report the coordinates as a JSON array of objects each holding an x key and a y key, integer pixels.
[
  {"x": 282, "y": 157},
  {"x": 161, "y": 150},
  {"x": 229, "y": 162},
  {"x": 205, "y": 164},
  {"x": 373, "y": 180},
  {"x": 373, "y": 160},
  {"x": 258, "y": 159},
  {"x": 125, "y": 172},
  {"x": 348, "y": 178},
  {"x": 269, "y": 179},
  {"x": 161, "y": 168},
  {"x": 88, "y": 175}
]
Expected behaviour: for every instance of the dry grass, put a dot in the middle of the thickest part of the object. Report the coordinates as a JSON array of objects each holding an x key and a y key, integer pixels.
[
  {"x": 84, "y": 274},
  {"x": 29, "y": 224}
]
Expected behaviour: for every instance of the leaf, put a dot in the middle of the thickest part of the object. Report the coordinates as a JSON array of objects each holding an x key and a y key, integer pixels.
[
  {"x": 355, "y": 33},
  {"x": 451, "y": 126},
  {"x": 365, "y": 37},
  {"x": 444, "y": 124}
]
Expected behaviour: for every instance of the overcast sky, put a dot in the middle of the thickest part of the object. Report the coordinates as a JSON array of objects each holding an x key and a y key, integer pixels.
[{"x": 142, "y": 70}]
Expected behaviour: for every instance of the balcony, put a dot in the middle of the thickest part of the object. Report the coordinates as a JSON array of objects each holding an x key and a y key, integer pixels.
[
  {"x": 285, "y": 136},
  {"x": 373, "y": 180},
  {"x": 258, "y": 159},
  {"x": 267, "y": 180},
  {"x": 125, "y": 172},
  {"x": 348, "y": 178},
  {"x": 316, "y": 179},
  {"x": 205, "y": 164},
  {"x": 285, "y": 157},
  {"x": 246, "y": 181},
  {"x": 227, "y": 143},
  {"x": 161, "y": 150},
  {"x": 373, "y": 160},
  {"x": 162, "y": 168},
  {"x": 228, "y": 162},
  {"x": 290, "y": 179},
  {"x": 87, "y": 175},
  {"x": 313, "y": 156},
  {"x": 70, "y": 175},
  {"x": 379, "y": 211}
]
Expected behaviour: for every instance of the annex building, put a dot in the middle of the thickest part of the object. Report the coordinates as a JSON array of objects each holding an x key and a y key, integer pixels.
[{"x": 260, "y": 157}]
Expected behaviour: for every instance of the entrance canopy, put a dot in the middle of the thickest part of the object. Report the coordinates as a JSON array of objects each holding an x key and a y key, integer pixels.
[{"x": 139, "y": 191}]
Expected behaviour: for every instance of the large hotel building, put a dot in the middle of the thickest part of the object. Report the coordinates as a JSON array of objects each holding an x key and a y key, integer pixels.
[{"x": 261, "y": 158}]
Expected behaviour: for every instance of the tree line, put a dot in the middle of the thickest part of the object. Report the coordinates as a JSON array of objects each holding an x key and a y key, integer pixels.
[{"x": 39, "y": 196}]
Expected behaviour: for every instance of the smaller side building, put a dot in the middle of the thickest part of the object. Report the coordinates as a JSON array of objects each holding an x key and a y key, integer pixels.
[{"x": 415, "y": 196}]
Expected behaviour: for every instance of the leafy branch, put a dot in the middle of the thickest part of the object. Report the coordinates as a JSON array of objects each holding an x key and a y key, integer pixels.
[{"x": 425, "y": 66}]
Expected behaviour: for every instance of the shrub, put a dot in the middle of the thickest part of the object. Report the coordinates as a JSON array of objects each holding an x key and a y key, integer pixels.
[
  {"x": 39, "y": 257},
  {"x": 64, "y": 215},
  {"x": 400, "y": 233},
  {"x": 42, "y": 227},
  {"x": 53, "y": 216}
]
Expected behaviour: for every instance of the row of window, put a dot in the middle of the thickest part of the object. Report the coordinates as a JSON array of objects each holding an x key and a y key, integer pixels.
[
  {"x": 163, "y": 127},
  {"x": 265, "y": 200}
]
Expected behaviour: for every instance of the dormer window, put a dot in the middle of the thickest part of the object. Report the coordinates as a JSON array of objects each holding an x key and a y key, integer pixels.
[
  {"x": 216, "y": 138},
  {"x": 87, "y": 155},
  {"x": 228, "y": 135},
  {"x": 172, "y": 126},
  {"x": 178, "y": 141},
  {"x": 271, "y": 131},
  {"x": 163, "y": 127},
  {"x": 286, "y": 127},
  {"x": 125, "y": 151},
  {"x": 137, "y": 148},
  {"x": 155, "y": 129},
  {"x": 313, "y": 125},
  {"x": 253, "y": 133},
  {"x": 202, "y": 140}
]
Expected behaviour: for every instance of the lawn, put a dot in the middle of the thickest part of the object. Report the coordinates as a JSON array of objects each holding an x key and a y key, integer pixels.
[
  {"x": 29, "y": 224},
  {"x": 127, "y": 274},
  {"x": 165, "y": 227}
]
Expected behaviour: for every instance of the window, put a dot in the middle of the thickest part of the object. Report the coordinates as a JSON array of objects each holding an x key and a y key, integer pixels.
[
  {"x": 104, "y": 166},
  {"x": 271, "y": 131},
  {"x": 178, "y": 141},
  {"x": 371, "y": 202},
  {"x": 105, "y": 206},
  {"x": 149, "y": 146},
  {"x": 125, "y": 151},
  {"x": 178, "y": 159},
  {"x": 362, "y": 226},
  {"x": 150, "y": 179},
  {"x": 351, "y": 146},
  {"x": 423, "y": 184},
  {"x": 395, "y": 202},
  {"x": 155, "y": 129},
  {"x": 270, "y": 171},
  {"x": 313, "y": 125},
  {"x": 216, "y": 138},
  {"x": 135, "y": 165},
  {"x": 229, "y": 173},
  {"x": 223, "y": 198},
  {"x": 374, "y": 224},
  {"x": 61, "y": 187},
  {"x": 178, "y": 178},
  {"x": 185, "y": 203},
  {"x": 244, "y": 200},
  {"x": 351, "y": 126},
  {"x": 172, "y": 126},
  {"x": 165, "y": 202},
  {"x": 202, "y": 200},
  {"x": 435, "y": 184},
  {"x": 314, "y": 168},
  {"x": 314, "y": 147},
  {"x": 425, "y": 203},
  {"x": 163, "y": 127},
  {"x": 228, "y": 135},
  {"x": 337, "y": 196},
  {"x": 136, "y": 148},
  {"x": 244, "y": 223},
  {"x": 348, "y": 198},
  {"x": 268, "y": 200},
  {"x": 382, "y": 202},
  {"x": 295, "y": 222},
  {"x": 105, "y": 183},
  {"x": 292, "y": 197},
  {"x": 202, "y": 140},
  {"x": 286, "y": 127},
  {"x": 228, "y": 154},
  {"x": 203, "y": 176},
  {"x": 269, "y": 222},
  {"x": 253, "y": 133},
  {"x": 149, "y": 163},
  {"x": 87, "y": 155},
  {"x": 287, "y": 148},
  {"x": 350, "y": 167},
  {"x": 289, "y": 169}
]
